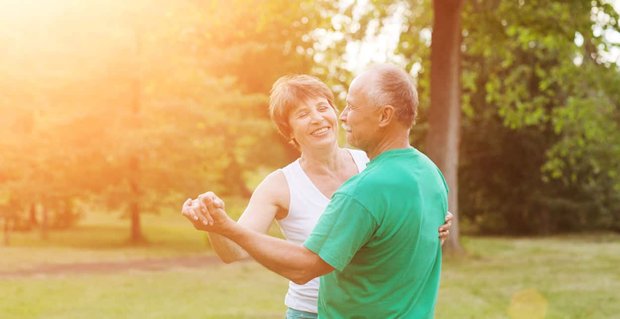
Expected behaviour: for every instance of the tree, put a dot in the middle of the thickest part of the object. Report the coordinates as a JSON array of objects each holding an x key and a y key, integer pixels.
[
  {"x": 444, "y": 116},
  {"x": 151, "y": 101}
]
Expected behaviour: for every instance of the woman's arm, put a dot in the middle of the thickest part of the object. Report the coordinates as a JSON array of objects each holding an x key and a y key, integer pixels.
[{"x": 269, "y": 200}]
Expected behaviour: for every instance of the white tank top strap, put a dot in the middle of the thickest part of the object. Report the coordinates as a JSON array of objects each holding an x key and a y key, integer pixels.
[{"x": 360, "y": 158}]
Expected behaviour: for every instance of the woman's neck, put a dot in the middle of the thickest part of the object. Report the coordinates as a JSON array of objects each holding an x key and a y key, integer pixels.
[{"x": 319, "y": 160}]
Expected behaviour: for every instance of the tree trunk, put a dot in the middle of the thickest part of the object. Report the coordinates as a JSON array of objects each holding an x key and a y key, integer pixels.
[
  {"x": 136, "y": 229},
  {"x": 32, "y": 220},
  {"x": 134, "y": 162},
  {"x": 44, "y": 223},
  {"x": 7, "y": 229},
  {"x": 233, "y": 179},
  {"x": 444, "y": 118}
]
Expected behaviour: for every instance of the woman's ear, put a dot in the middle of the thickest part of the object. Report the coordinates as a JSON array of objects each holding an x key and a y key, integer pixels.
[{"x": 293, "y": 142}]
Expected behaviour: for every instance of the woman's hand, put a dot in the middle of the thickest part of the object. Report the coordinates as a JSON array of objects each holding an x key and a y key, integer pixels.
[{"x": 444, "y": 230}]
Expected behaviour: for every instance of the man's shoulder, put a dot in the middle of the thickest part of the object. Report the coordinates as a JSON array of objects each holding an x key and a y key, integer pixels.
[
  {"x": 394, "y": 172},
  {"x": 362, "y": 184},
  {"x": 360, "y": 178}
]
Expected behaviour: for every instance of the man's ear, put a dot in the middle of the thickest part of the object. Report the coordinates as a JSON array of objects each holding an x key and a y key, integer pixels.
[{"x": 386, "y": 115}]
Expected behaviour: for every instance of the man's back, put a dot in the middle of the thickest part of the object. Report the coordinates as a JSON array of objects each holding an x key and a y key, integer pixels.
[{"x": 380, "y": 233}]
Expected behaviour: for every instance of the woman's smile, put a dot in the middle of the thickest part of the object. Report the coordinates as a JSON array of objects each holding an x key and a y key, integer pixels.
[{"x": 320, "y": 131}]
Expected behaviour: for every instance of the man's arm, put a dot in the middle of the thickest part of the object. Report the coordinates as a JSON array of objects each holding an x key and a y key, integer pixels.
[
  {"x": 287, "y": 259},
  {"x": 295, "y": 262}
]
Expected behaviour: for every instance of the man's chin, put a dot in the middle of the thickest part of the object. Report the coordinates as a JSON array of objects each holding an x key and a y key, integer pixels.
[{"x": 351, "y": 141}]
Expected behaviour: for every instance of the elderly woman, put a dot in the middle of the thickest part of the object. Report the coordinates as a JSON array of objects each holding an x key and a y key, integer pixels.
[{"x": 302, "y": 107}]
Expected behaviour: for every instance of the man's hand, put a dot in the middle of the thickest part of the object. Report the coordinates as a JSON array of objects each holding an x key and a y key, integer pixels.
[
  {"x": 444, "y": 230},
  {"x": 207, "y": 213}
]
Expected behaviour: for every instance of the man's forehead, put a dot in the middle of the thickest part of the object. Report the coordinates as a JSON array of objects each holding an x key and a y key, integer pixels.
[
  {"x": 363, "y": 81},
  {"x": 356, "y": 90}
]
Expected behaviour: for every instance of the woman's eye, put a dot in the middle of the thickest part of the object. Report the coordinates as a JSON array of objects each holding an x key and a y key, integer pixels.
[
  {"x": 302, "y": 114},
  {"x": 323, "y": 108}
]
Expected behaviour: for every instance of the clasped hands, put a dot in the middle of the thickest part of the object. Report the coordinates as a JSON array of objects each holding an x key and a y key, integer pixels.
[{"x": 206, "y": 212}]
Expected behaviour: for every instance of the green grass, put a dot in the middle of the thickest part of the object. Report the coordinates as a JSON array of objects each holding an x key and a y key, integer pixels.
[
  {"x": 233, "y": 291},
  {"x": 573, "y": 276},
  {"x": 562, "y": 277}
]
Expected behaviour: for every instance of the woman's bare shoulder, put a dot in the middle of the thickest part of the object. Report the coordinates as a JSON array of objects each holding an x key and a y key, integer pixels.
[{"x": 274, "y": 188}]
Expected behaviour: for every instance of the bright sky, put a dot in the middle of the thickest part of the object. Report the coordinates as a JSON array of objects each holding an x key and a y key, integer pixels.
[
  {"x": 614, "y": 37},
  {"x": 380, "y": 48}
]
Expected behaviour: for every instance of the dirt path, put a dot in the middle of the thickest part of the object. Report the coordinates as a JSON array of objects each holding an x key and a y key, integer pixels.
[{"x": 112, "y": 267}]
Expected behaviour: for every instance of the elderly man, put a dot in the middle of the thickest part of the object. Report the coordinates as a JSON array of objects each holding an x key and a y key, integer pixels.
[{"x": 376, "y": 244}]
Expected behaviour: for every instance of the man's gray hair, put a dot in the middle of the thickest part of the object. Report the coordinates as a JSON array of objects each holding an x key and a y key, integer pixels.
[{"x": 395, "y": 87}]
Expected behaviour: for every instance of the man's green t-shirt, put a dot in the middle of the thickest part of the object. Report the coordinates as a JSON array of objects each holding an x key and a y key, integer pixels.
[{"x": 379, "y": 232}]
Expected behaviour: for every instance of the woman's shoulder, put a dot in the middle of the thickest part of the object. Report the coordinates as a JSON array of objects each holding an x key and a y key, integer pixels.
[
  {"x": 274, "y": 181},
  {"x": 272, "y": 189}
]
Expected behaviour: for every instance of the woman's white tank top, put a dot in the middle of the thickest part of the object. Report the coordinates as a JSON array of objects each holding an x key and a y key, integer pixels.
[{"x": 306, "y": 206}]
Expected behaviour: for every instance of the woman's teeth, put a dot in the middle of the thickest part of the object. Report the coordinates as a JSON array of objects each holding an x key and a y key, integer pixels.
[{"x": 320, "y": 131}]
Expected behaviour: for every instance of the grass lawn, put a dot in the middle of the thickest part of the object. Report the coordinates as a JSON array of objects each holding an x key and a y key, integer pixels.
[
  {"x": 242, "y": 290},
  {"x": 558, "y": 277},
  {"x": 554, "y": 277}
]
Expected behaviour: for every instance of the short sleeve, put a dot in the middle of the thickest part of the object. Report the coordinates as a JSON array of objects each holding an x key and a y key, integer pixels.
[{"x": 345, "y": 227}]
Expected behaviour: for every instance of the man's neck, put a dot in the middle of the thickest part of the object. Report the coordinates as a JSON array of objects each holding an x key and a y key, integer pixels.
[{"x": 388, "y": 142}]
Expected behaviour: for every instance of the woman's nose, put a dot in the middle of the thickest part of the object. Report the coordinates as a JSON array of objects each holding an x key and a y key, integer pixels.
[{"x": 315, "y": 116}]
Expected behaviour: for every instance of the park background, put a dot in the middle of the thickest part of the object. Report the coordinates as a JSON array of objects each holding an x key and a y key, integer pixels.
[{"x": 112, "y": 113}]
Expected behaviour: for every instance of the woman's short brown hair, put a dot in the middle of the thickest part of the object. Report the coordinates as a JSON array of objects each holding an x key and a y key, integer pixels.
[{"x": 290, "y": 90}]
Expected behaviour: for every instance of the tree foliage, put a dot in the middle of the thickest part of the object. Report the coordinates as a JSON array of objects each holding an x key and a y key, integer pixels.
[
  {"x": 542, "y": 117},
  {"x": 134, "y": 106}
]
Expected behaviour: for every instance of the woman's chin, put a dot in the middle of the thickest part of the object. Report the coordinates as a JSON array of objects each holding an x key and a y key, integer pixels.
[{"x": 327, "y": 141}]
